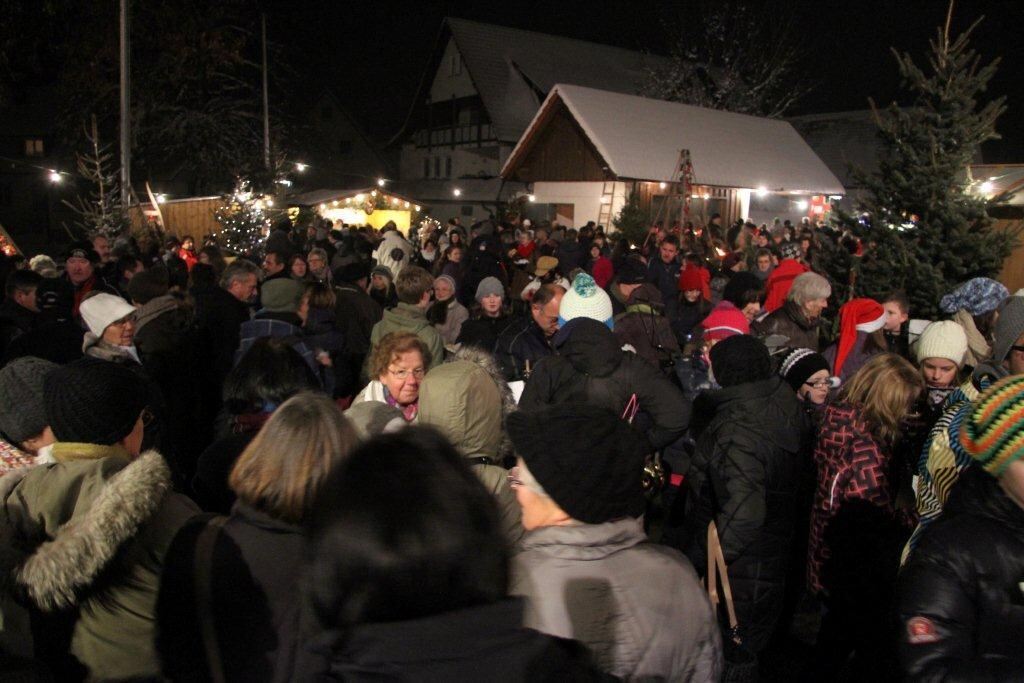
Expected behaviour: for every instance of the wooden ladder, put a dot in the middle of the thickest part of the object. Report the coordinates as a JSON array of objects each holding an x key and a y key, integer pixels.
[{"x": 604, "y": 214}]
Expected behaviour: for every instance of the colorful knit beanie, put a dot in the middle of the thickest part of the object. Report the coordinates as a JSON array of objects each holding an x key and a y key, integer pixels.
[{"x": 993, "y": 433}]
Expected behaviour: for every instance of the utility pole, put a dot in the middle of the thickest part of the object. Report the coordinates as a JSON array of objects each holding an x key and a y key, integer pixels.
[
  {"x": 266, "y": 99},
  {"x": 126, "y": 152}
]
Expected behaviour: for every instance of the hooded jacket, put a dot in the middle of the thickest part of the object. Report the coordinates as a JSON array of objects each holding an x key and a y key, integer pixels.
[
  {"x": 92, "y": 532},
  {"x": 409, "y": 318},
  {"x": 745, "y": 474},
  {"x": 467, "y": 399},
  {"x": 590, "y": 367},
  {"x": 960, "y": 598},
  {"x": 638, "y": 606}
]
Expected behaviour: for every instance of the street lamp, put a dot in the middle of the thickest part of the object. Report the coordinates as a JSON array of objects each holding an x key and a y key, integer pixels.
[
  {"x": 380, "y": 182},
  {"x": 457, "y": 192},
  {"x": 55, "y": 176},
  {"x": 300, "y": 167}
]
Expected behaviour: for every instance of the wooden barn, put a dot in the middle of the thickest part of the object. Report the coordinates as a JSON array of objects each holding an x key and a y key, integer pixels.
[{"x": 586, "y": 150}]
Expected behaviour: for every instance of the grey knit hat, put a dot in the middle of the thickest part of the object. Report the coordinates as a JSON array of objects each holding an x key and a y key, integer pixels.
[
  {"x": 22, "y": 411},
  {"x": 490, "y": 286},
  {"x": 1009, "y": 327}
]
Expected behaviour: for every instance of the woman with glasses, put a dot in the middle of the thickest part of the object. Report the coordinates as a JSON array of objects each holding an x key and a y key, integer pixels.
[
  {"x": 808, "y": 373},
  {"x": 861, "y": 517},
  {"x": 398, "y": 365}
]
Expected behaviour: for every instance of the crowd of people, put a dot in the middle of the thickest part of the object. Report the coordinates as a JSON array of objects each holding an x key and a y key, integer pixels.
[{"x": 503, "y": 452}]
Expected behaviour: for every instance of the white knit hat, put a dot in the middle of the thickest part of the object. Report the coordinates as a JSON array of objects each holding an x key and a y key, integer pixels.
[
  {"x": 100, "y": 310},
  {"x": 585, "y": 300},
  {"x": 943, "y": 339}
]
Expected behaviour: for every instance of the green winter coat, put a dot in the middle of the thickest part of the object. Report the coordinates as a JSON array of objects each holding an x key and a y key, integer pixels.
[
  {"x": 466, "y": 400},
  {"x": 93, "y": 530},
  {"x": 409, "y": 318}
]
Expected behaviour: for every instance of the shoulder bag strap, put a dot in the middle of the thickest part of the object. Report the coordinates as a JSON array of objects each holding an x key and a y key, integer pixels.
[{"x": 204, "y": 595}]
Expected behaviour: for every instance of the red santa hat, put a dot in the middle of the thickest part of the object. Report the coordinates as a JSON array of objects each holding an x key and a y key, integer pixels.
[{"x": 856, "y": 315}]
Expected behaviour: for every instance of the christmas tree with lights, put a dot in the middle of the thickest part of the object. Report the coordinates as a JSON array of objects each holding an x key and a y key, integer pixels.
[
  {"x": 923, "y": 224},
  {"x": 243, "y": 220}
]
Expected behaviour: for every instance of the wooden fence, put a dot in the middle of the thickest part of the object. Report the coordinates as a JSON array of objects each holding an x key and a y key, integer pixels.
[{"x": 192, "y": 216}]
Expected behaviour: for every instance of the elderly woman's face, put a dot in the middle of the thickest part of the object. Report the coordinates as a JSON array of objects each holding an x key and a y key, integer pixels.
[
  {"x": 443, "y": 290},
  {"x": 120, "y": 332},
  {"x": 403, "y": 376},
  {"x": 814, "y": 307}
]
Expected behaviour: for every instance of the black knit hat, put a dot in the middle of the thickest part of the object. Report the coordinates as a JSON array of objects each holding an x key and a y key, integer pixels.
[
  {"x": 586, "y": 458},
  {"x": 352, "y": 272},
  {"x": 740, "y": 359},
  {"x": 22, "y": 413},
  {"x": 93, "y": 401},
  {"x": 800, "y": 364},
  {"x": 737, "y": 287},
  {"x": 632, "y": 272},
  {"x": 81, "y": 249}
]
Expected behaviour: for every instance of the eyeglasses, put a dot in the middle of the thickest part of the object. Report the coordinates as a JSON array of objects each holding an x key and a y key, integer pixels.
[
  {"x": 513, "y": 477},
  {"x": 402, "y": 375},
  {"x": 827, "y": 383}
]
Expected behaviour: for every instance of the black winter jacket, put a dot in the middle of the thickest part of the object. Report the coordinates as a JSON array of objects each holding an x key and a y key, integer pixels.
[
  {"x": 484, "y": 643},
  {"x": 745, "y": 473},
  {"x": 521, "y": 341},
  {"x": 254, "y": 580},
  {"x": 590, "y": 367},
  {"x": 961, "y": 593}
]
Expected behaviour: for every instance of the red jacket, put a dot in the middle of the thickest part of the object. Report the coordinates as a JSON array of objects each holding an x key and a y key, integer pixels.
[
  {"x": 189, "y": 257},
  {"x": 780, "y": 281},
  {"x": 602, "y": 271}
]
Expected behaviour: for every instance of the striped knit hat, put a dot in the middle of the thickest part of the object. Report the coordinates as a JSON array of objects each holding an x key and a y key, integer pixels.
[{"x": 993, "y": 433}]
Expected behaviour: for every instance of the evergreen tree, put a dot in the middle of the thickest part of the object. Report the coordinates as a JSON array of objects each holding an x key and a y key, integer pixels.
[
  {"x": 100, "y": 212},
  {"x": 243, "y": 219},
  {"x": 922, "y": 225},
  {"x": 632, "y": 220}
]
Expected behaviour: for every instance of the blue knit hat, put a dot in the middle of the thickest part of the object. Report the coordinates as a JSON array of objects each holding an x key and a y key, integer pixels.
[{"x": 977, "y": 297}]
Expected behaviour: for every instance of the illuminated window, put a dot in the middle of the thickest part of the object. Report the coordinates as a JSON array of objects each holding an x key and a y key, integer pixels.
[{"x": 34, "y": 147}]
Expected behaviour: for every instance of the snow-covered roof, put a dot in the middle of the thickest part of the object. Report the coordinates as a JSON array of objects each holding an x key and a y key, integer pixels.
[
  {"x": 315, "y": 197},
  {"x": 640, "y": 138},
  {"x": 510, "y": 66}
]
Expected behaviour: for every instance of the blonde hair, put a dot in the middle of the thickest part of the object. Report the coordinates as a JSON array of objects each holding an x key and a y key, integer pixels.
[
  {"x": 393, "y": 345},
  {"x": 282, "y": 469},
  {"x": 884, "y": 389}
]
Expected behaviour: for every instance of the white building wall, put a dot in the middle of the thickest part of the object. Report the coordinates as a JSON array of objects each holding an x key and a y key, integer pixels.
[
  {"x": 452, "y": 78},
  {"x": 586, "y": 198}
]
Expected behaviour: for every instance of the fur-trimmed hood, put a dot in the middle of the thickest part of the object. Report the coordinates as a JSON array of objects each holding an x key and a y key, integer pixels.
[{"x": 108, "y": 500}]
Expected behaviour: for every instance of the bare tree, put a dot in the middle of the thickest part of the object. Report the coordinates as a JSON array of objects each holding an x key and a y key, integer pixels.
[
  {"x": 100, "y": 212},
  {"x": 725, "y": 55}
]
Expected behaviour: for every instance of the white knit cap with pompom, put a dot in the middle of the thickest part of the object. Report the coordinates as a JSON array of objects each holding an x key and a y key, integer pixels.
[
  {"x": 943, "y": 339},
  {"x": 585, "y": 300}
]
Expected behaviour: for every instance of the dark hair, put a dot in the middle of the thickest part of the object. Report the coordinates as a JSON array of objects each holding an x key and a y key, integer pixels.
[
  {"x": 544, "y": 294},
  {"x": 202, "y": 275},
  {"x": 402, "y": 530},
  {"x": 671, "y": 239},
  {"x": 213, "y": 253},
  {"x": 270, "y": 372},
  {"x": 125, "y": 263},
  {"x": 22, "y": 281},
  {"x": 898, "y": 297},
  {"x": 279, "y": 256}
]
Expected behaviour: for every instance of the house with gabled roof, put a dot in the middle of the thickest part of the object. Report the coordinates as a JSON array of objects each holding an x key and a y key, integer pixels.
[
  {"x": 587, "y": 150},
  {"x": 480, "y": 91}
]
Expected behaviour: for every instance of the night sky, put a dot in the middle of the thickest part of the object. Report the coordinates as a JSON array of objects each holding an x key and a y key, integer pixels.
[{"x": 373, "y": 54}]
